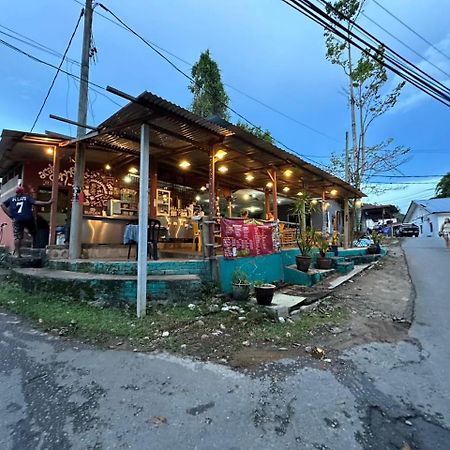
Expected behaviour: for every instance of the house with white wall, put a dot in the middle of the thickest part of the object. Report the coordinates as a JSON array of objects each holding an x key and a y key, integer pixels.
[{"x": 428, "y": 215}]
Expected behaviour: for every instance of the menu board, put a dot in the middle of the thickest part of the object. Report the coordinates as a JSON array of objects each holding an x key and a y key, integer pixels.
[{"x": 246, "y": 237}]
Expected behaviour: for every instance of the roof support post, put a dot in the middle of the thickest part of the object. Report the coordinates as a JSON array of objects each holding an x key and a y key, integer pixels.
[
  {"x": 346, "y": 223},
  {"x": 141, "y": 300},
  {"x": 54, "y": 205},
  {"x": 266, "y": 203},
  {"x": 273, "y": 177},
  {"x": 212, "y": 201},
  {"x": 153, "y": 186},
  {"x": 76, "y": 222},
  {"x": 324, "y": 214}
]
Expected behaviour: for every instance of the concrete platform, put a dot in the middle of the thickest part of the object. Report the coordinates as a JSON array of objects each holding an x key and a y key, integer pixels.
[
  {"x": 284, "y": 304},
  {"x": 342, "y": 279},
  {"x": 107, "y": 287}
]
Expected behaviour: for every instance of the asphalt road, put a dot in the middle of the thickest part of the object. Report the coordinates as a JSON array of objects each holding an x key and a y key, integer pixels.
[{"x": 58, "y": 395}]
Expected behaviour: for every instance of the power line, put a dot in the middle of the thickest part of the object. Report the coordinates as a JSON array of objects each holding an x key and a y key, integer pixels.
[
  {"x": 172, "y": 64},
  {"x": 412, "y": 74},
  {"x": 408, "y": 176},
  {"x": 57, "y": 71},
  {"x": 187, "y": 63},
  {"x": 41, "y": 61},
  {"x": 405, "y": 44},
  {"x": 412, "y": 30}
]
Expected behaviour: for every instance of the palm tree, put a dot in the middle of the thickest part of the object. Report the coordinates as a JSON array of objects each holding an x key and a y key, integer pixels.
[{"x": 443, "y": 187}]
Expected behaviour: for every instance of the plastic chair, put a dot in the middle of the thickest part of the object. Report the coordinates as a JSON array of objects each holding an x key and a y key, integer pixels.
[{"x": 154, "y": 229}]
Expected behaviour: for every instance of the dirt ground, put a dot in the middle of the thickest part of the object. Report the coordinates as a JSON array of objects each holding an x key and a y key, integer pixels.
[{"x": 379, "y": 305}]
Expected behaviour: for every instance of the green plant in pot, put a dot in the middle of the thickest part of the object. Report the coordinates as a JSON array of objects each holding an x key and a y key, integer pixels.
[
  {"x": 240, "y": 285},
  {"x": 335, "y": 241},
  {"x": 264, "y": 292},
  {"x": 306, "y": 237},
  {"x": 375, "y": 248},
  {"x": 322, "y": 262},
  {"x": 306, "y": 241}
]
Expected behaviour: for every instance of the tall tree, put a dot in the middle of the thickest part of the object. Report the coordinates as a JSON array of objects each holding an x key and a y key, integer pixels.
[
  {"x": 265, "y": 135},
  {"x": 368, "y": 99},
  {"x": 443, "y": 187},
  {"x": 210, "y": 97}
]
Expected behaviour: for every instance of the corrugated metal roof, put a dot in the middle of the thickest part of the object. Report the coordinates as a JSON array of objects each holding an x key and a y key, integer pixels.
[
  {"x": 435, "y": 205},
  {"x": 175, "y": 131}
]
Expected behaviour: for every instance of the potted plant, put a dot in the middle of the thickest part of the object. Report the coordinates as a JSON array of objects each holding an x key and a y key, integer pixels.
[
  {"x": 375, "y": 248},
  {"x": 264, "y": 292},
  {"x": 306, "y": 237},
  {"x": 306, "y": 240},
  {"x": 322, "y": 261},
  {"x": 240, "y": 285}
]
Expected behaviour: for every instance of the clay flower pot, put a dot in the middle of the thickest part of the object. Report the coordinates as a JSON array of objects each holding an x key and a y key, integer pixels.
[{"x": 264, "y": 294}]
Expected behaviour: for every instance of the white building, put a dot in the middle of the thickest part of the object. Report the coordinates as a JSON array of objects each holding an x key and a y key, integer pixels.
[{"x": 429, "y": 215}]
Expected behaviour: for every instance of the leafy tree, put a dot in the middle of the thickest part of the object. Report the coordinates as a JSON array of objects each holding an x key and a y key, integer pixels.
[
  {"x": 210, "y": 97},
  {"x": 257, "y": 131},
  {"x": 368, "y": 101},
  {"x": 443, "y": 187}
]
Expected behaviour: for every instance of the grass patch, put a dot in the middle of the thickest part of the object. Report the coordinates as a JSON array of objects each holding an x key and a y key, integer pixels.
[{"x": 213, "y": 329}]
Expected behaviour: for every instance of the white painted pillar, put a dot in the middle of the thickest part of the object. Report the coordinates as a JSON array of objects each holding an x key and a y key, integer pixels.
[{"x": 141, "y": 300}]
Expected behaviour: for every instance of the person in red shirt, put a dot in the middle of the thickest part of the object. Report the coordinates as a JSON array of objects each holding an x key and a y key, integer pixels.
[{"x": 20, "y": 209}]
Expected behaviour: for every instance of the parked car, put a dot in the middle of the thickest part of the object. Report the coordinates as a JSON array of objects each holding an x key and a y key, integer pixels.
[{"x": 407, "y": 229}]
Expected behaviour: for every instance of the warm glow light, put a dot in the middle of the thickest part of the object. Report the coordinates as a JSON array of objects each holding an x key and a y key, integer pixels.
[
  {"x": 223, "y": 169},
  {"x": 300, "y": 193},
  {"x": 333, "y": 192},
  {"x": 288, "y": 172},
  {"x": 221, "y": 154},
  {"x": 184, "y": 164},
  {"x": 253, "y": 209},
  {"x": 249, "y": 177},
  {"x": 203, "y": 188},
  {"x": 133, "y": 170},
  {"x": 49, "y": 151},
  {"x": 314, "y": 201},
  {"x": 246, "y": 197},
  {"x": 127, "y": 179},
  {"x": 286, "y": 189},
  {"x": 358, "y": 203},
  {"x": 269, "y": 184},
  {"x": 107, "y": 167},
  {"x": 197, "y": 198}
]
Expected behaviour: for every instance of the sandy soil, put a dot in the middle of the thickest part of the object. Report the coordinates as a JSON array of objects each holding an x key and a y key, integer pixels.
[{"x": 379, "y": 304}]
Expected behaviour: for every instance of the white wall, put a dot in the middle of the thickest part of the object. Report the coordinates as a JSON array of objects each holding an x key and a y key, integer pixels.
[{"x": 429, "y": 224}]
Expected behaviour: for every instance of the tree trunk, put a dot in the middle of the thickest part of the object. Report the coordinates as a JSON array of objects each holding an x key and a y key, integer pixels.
[{"x": 353, "y": 118}]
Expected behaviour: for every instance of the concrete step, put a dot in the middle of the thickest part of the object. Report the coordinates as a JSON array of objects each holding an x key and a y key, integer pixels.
[
  {"x": 343, "y": 278},
  {"x": 106, "y": 287},
  {"x": 294, "y": 276},
  {"x": 10, "y": 261},
  {"x": 159, "y": 267},
  {"x": 345, "y": 267}
]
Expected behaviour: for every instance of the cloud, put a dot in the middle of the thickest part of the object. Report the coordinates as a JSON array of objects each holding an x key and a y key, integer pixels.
[{"x": 412, "y": 96}]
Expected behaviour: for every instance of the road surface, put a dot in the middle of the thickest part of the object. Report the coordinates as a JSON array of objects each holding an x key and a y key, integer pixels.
[{"x": 59, "y": 395}]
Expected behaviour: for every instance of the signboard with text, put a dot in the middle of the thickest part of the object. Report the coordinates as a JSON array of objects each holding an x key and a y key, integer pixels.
[{"x": 246, "y": 237}]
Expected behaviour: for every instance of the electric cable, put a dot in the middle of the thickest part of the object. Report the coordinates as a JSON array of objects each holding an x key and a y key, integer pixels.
[
  {"x": 412, "y": 30},
  {"x": 157, "y": 51},
  {"x": 405, "y": 44},
  {"x": 328, "y": 23},
  {"x": 187, "y": 63},
  {"x": 57, "y": 70},
  {"x": 41, "y": 61}
]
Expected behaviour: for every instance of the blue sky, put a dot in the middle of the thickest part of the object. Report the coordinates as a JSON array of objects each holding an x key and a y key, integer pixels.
[{"x": 263, "y": 48}]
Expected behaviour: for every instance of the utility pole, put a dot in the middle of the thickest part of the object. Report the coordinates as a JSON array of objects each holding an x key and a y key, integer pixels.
[{"x": 80, "y": 157}]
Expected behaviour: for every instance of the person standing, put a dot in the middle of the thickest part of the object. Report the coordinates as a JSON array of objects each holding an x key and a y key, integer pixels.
[
  {"x": 445, "y": 231},
  {"x": 20, "y": 209}
]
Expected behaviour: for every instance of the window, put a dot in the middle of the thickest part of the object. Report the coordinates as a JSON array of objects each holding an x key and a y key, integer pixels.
[
  {"x": 421, "y": 230},
  {"x": 431, "y": 227}
]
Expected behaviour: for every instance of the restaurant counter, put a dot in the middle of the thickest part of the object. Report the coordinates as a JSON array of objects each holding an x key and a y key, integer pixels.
[{"x": 110, "y": 229}]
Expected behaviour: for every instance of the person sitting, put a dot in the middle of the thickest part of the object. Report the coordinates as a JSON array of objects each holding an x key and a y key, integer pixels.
[
  {"x": 244, "y": 214},
  {"x": 270, "y": 216},
  {"x": 20, "y": 210}
]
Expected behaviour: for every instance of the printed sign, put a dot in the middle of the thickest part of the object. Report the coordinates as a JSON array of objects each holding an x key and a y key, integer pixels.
[{"x": 246, "y": 237}]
